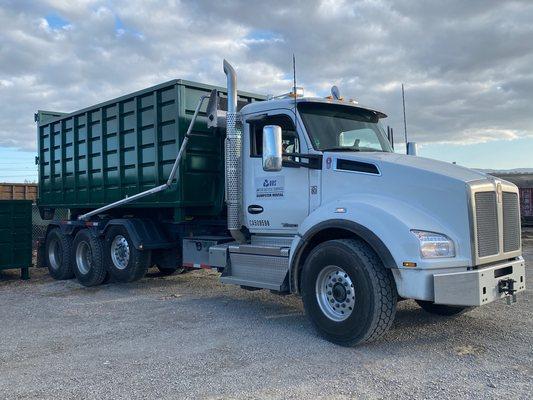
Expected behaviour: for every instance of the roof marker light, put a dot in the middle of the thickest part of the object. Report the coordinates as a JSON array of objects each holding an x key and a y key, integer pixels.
[{"x": 336, "y": 93}]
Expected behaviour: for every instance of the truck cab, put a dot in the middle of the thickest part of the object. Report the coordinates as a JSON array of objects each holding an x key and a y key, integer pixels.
[{"x": 320, "y": 179}]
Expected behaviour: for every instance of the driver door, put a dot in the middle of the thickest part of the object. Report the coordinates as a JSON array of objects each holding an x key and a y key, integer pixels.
[{"x": 274, "y": 202}]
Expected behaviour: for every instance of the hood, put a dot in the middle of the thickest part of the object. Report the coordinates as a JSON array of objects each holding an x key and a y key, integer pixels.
[
  {"x": 387, "y": 161},
  {"x": 436, "y": 191}
]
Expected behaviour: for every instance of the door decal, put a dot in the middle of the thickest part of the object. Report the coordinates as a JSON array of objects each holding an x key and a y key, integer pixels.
[{"x": 270, "y": 187}]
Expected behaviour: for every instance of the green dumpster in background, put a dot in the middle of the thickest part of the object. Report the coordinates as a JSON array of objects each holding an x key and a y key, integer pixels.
[{"x": 15, "y": 235}]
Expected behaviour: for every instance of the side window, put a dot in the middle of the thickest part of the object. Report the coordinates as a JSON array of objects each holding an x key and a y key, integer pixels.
[{"x": 290, "y": 142}]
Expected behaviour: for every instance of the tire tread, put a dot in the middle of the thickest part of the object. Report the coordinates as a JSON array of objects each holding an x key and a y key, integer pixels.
[
  {"x": 98, "y": 274},
  {"x": 385, "y": 312}
]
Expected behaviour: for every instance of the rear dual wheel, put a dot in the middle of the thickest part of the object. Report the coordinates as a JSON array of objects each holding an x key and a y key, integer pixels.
[
  {"x": 88, "y": 255},
  {"x": 80, "y": 257},
  {"x": 58, "y": 250},
  {"x": 124, "y": 262},
  {"x": 92, "y": 259}
]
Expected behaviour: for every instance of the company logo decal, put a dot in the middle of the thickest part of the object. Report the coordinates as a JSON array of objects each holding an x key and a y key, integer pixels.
[{"x": 270, "y": 187}]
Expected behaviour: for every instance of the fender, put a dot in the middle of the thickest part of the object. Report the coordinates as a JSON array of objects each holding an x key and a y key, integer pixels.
[
  {"x": 304, "y": 245},
  {"x": 383, "y": 222},
  {"x": 144, "y": 233},
  {"x": 65, "y": 228}
]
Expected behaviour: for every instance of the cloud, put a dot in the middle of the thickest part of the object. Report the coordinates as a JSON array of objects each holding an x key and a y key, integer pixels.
[{"x": 466, "y": 65}]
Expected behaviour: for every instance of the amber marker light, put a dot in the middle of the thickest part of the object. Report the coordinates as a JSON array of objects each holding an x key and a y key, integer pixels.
[{"x": 409, "y": 264}]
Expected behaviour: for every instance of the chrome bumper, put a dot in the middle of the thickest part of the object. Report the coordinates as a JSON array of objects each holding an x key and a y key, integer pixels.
[{"x": 480, "y": 286}]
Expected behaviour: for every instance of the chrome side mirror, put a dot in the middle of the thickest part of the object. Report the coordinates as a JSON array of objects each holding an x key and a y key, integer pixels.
[
  {"x": 272, "y": 158},
  {"x": 412, "y": 149}
]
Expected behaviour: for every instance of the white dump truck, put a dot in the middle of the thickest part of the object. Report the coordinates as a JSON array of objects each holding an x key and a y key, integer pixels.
[{"x": 317, "y": 204}]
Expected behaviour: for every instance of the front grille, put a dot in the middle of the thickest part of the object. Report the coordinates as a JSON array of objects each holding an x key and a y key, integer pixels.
[
  {"x": 487, "y": 224},
  {"x": 511, "y": 222}
]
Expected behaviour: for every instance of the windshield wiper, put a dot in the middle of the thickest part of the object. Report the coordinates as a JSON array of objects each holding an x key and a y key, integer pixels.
[{"x": 340, "y": 149}]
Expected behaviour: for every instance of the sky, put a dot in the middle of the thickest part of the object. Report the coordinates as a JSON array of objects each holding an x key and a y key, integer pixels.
[{"x": 466, "y": 65}]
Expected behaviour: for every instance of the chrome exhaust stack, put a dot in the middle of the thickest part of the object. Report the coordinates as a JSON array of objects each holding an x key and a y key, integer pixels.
[{"x": 233, "y": 158}]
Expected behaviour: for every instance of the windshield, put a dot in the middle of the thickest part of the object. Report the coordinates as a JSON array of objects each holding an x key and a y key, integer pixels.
[{"x": 343, "y": 128}]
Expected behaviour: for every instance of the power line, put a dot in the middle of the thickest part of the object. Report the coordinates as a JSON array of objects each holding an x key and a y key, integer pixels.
[{"x": 17, "y": 176}]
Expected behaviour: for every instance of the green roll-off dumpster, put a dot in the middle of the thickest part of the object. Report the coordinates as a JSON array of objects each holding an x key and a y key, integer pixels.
[
  {"x": 124, "y": 146},
  {"x": 15, "y": 236}
]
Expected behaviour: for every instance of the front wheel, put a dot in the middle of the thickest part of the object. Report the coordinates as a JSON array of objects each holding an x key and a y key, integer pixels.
[
  {"x": 442, "y": 309},
  {"x": 348, "y": 294}
]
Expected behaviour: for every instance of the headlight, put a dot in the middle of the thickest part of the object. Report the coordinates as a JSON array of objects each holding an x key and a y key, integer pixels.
[{"x": 434, "y": 245}]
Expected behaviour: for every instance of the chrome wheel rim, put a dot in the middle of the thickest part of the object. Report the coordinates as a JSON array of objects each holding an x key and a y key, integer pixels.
[
  {"x": 335, "y": 293},
  {"x": 83, "y": 257},
  {"x": 54, "y": 254},
  {"x": 120, "y": 252}
]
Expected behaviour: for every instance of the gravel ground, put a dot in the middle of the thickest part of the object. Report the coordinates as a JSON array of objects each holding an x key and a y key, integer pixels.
[{"x": 188, "y": 336}]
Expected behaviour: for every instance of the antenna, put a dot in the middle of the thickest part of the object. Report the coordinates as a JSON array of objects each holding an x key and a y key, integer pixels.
[
  {"x": 404, "y": 120},
  {"x": 294, "y": 88}
]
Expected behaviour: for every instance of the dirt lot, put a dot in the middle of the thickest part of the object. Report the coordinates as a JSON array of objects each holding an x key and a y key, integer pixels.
[{"x": 188, "y": 336}]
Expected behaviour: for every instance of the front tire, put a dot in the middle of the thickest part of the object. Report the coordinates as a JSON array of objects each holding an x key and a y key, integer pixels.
[
  {"x": 348, "y": 294},
  {"x": 58, "y": 250},
  {"x": 442, "y": 309},
  {"x": 88, "y": 254},
  {"x": 124, "y": 262}
]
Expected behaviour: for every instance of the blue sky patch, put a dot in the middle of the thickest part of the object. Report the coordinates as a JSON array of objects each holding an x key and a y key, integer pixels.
[
  {"x": 121, "y": 29},
  {"x": 263, "y": 35},
  {"x": 119, "y": 25},
  {"x": 55, "y": 21},
  {"x": 483, "y": 155}
]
